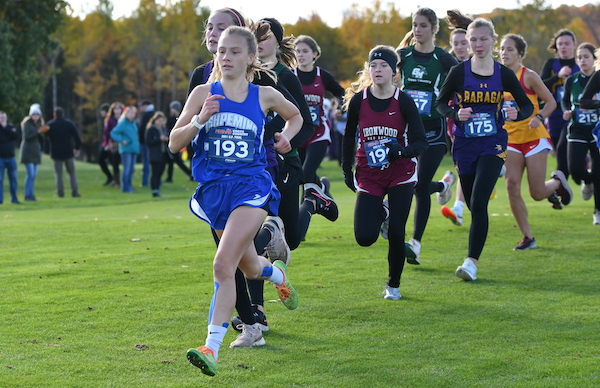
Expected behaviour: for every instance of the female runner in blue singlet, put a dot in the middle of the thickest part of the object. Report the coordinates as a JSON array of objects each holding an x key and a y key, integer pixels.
[{"x": 225, "y": 121}]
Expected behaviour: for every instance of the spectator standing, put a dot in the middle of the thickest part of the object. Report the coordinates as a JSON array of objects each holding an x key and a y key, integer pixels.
[
  {"x": 31, "y": 148},
  {"x": 104, "y": 154},
  {"x": 146, "y": 113},
  {"x": 156, "y": 140},
  {"x": 126, "y": 135},
  {"x": 175, "y": 158},
  {"x": 8, "y": 137},
  {"x": 110, "y": 121},
  {"x": 64, "y": 143}
]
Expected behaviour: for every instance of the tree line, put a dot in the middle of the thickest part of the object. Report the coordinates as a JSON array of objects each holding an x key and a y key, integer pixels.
[{"x": 57, "y": 59}]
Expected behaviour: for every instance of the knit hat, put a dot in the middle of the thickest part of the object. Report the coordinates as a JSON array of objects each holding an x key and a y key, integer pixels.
[
  {"x": 35, "y": 108},
  {"x": 175, "y": 105},
  {"x": 276, "y": 28}
]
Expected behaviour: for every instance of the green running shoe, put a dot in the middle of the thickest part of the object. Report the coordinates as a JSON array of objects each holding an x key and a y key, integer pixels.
[
  {"x": 203, "y": 358},
  {"x": 287, "y": 293}
]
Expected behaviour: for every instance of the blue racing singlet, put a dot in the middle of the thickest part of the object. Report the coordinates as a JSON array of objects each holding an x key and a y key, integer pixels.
[{"x": 231, "y": 142}]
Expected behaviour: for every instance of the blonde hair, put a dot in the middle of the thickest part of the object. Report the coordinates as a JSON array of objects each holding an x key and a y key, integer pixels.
[
  {"x": 111, "y": 111},
  {"x": 125, "y": 110},
  {"x": 481, "y": 22},
  {"x": 255, "y": 68},
  {"x": 156, "y": 116}
]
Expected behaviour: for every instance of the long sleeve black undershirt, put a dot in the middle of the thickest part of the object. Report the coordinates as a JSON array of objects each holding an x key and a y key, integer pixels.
[
  {"x": 549, "y": 77},
  {"x": 417, "y": 141},
  {"x": 591, "y": 89}
]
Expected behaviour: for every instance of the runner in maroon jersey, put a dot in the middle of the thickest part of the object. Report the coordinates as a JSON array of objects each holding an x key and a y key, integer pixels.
[
  {"x": 315, "y": 81},
  {"x": 391, "y": 136}
]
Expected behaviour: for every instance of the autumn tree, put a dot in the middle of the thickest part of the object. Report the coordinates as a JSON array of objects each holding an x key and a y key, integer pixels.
[
  {"x": 182, "y": 32},
  {"x": 536, "y": 22},
  {"x": 26, "y": 27},
  {"x": 333, "y": 47},
  {"x": 364, "y": 28}
]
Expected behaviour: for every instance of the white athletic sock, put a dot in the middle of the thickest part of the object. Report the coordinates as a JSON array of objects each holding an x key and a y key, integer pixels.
[
  {"x": 216, "y": 334},
  {"x": 458, "y": 208},
  {"x": 277, "y": 277}
]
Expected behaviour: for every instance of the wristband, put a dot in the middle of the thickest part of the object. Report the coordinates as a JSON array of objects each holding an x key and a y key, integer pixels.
[
  {"x": 539, "y": 116},
  {"x": 195, "y": 122}
]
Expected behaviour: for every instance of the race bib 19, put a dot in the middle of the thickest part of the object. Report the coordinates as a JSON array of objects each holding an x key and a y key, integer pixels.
[{"x": 377, "y": 152}]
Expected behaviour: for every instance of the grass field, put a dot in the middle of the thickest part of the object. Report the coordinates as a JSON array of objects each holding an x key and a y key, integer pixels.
[{"x": 83, "y": 303}]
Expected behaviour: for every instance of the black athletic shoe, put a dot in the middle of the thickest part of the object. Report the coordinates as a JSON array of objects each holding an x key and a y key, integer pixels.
[
  {"x": 525, "y": 244},
  {"x": 259, "y": 317},
  {"x": 564, "y": 191},
  {"x": 325, "y": 205},
  {"x": 555, "y": 201}
]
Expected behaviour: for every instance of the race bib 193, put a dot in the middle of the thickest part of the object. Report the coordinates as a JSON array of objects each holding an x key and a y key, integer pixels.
[{"x": 231, "y": 144}]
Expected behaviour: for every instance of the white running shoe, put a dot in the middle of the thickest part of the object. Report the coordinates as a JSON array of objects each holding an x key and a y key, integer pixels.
[
  {"x": 596, "y": 217},
  {"x": 467, "y": 271},
  {"x": 444, "y": 196},
  {"x": 385, "y": 225},
  {"x": 391, "y": 293},
  {"x": 250, "y": 336},
  {"x": 413, "y": 251},
  {"x": 277, "y": 248},
  {"x": 587, "y": 190}
]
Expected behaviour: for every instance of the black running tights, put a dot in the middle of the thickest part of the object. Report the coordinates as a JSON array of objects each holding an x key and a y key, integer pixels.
[
  {"x": 478, "y": 188},
  {"x": 428, "y": 164},
  {"x": 577, "y": 152},
  {"x": 368, "y": 216},
  {"x": 560, "y": 150}
]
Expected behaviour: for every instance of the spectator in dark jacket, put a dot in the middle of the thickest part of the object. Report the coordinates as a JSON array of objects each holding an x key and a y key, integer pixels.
[
  {"x": 156, "y": 141},
  {"x": 8, "y": 137},
  {"x": 64, "y": 142},
  {"x": 146, "y": 112},
  {"x": 175, "y": 158},
  {"x": 31, "y": 149}
]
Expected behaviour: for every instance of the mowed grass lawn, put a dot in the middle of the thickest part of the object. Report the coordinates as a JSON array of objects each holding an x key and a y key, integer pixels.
[{"x": 111, "y": 289}]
